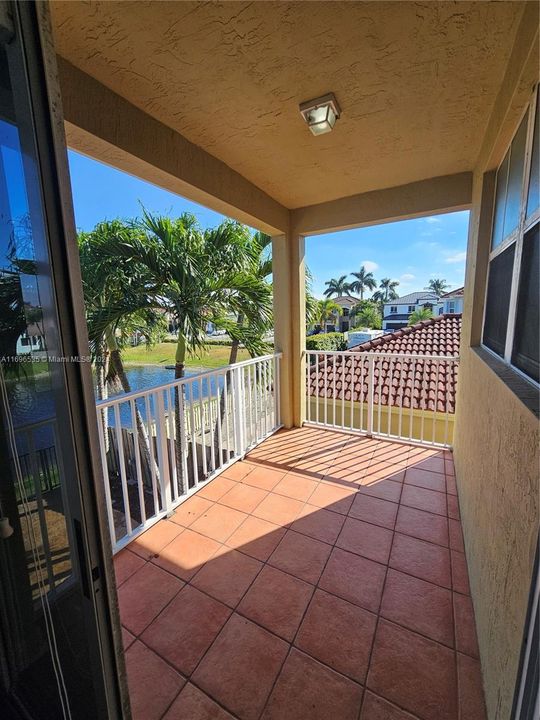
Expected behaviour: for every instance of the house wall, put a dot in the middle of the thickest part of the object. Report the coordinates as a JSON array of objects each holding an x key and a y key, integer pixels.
[{"x": 496, "y": 435}]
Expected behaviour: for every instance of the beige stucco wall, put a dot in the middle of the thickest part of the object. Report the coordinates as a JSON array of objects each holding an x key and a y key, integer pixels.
[{"x": 496, "y": 435}]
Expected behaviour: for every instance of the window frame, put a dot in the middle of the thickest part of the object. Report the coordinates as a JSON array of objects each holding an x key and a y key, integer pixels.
[
  {"x": 393, "y": 308},
  {"x": 516, "y": 236}
]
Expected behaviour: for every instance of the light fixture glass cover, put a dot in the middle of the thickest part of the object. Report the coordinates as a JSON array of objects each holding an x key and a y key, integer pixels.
[{"x": 321, "y": 114}]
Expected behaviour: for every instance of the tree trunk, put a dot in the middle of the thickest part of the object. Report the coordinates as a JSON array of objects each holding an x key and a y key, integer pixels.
[
  {"x": 102, "y": 366},
  {"x": 144, "y": 441},
  {"x": 179, "y": 372},
  {"x": 220, "y": 419}
]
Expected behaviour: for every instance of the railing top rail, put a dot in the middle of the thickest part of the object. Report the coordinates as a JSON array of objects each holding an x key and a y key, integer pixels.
[
  {"x": 135, "y": 394},
  {"x": 397, "y": 356}
]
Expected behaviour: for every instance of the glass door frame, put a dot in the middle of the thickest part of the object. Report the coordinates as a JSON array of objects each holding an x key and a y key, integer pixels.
[{"x": 32, "y": 31}]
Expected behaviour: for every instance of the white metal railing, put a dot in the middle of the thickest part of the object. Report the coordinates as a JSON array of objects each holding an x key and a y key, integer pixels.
[
  {"x": 159, "y": 446},
  {"x": 398, "y": 396}
]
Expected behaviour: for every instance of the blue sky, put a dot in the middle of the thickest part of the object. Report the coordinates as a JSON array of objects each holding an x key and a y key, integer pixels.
[{"x": 411, "y": 251}]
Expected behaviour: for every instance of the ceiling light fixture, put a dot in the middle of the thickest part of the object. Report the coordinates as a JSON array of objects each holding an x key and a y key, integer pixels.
[{"x": 321, "y": 114}]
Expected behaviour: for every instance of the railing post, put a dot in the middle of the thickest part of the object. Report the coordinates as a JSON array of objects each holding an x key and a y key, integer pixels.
[
  {"x": 371, "y": 392},
  {"x": 163, "y": 453},
  {"x": 238, "y": 411},
  {"x": 277, "y": 392}
]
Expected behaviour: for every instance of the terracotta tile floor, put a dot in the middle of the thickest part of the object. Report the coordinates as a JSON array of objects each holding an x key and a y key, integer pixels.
[{"x": 323, "y": 578}]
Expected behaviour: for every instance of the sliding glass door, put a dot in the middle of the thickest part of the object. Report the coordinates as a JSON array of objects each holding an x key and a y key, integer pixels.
[{"x": 55, "y": 646}]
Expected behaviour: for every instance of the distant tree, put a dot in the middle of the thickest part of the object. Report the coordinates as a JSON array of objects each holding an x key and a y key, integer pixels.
[
  {"x": 437, "y": 286},
  {"x": 386, "y": 291},
  {"x": 364, "y": 281},
  {"x": 419, "y": 315},
  {"x": 337, "y": 286},
  {"x": 367, "y": 313},
  {"x": 327, "y": 310}
]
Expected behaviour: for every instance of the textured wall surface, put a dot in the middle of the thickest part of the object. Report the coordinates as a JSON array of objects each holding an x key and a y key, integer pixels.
[
  {"x": 497, "y": 461},
  {"x": 416, "y": 82}
]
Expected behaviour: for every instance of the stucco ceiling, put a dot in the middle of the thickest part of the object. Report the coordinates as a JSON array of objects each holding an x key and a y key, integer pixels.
[{"x": 416, "y": 82}]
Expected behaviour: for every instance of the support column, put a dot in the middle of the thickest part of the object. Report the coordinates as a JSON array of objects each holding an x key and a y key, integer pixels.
[{"x": 289, "y": 281}]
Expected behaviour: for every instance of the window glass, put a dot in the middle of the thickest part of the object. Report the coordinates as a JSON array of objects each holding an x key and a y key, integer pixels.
[
  {"x": 515, "y": 179},
  {"x": 526, "y": 340},
  {"x": 498, "y": 300},
  {"x": 500, "y": 202},
  {"x": 533, "y": 200}
]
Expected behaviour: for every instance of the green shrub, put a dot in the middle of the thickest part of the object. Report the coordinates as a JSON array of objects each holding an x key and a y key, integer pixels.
[{"x": 326, "y": 341}]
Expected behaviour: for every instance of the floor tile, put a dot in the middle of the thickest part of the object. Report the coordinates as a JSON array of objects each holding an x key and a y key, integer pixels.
[
  {"x": 186, "y": 554},
  {"x": 227, "y": 575},
  {"x": 419, "y": 606},
  {"x": 451, "y": 485},
  {"x": 237, "y": 471},
  {"x": 216, "y": 488},
  {"x": 278, "y": 509},
  {"x": 332, "y": 497},
  {"x": 192, "y": 704},
  {"x": 144, "y": 595},
  {"x": 127, "y": 638},
  {"x": 423, "y": 525},
  {"x": 471, "y": 693},
  {"x": 365, "y": 539},
  {"x": 305, "y": 683},
  {"x": 192, "y": 508},
  {"x": 152, "y": 683},
  {"x": 155, "y": 539},
  {"x": 417, "y": 674},
  {"x": 374, "y": 510},
  {"x": 256, "y": 537},
  {"x": 125, "y": 564},
  {"x": 422, "y": 559},
  {"x": 460, "y": 576},
  {"x": 184, "y": 631},
  {"x": 243, "y": 497},
  {"x": 301, "y": 556},
  {"x": 277, "y": 601},
  {"x": 425, "y": 478},
  {"x": 456, "y": 535},
  {"x": 319, "y": 523},
  {"x": 466, "y": 641},
  {"x": 432, "y": 464},
  {"x": 449, "y": 467},
  {"x": 453, "y": 507},
  {"x": 383, "y": 489},
  {"x": 219, "y": 522},
  {"x": 338, "y": 633},
  {"x": 376, "y": 708},
  {"x": 296, "y": 485},
  {"x": 354, "y": 578},
  {"x": 422, "y": 499},
  {"x": 240, "y": 668},
  {"x": 264, "y": 477}
]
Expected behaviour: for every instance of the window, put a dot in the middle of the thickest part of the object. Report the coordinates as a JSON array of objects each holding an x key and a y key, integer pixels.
[
  {"x": 393, "y": 308},
  {"x": 410, "y": 308},
  {"x": 345, "y": 312},
  {"x": 451, "y": 306},
  {"x": 511, "y": 315}
]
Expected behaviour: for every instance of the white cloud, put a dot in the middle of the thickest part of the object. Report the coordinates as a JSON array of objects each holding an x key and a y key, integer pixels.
[
  {"x": 369, "y": 265},
  {"x": 457, "y": 257},
  {"x": 406, "y": 277},
  {"x": 432, "y": 220}
]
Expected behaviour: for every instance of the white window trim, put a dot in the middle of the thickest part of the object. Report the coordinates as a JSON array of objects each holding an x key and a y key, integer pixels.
[{"x": 524, "y": 225}]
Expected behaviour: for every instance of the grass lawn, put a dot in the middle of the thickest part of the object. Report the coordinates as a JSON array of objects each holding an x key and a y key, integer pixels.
[{"x": 163, "y": 354}]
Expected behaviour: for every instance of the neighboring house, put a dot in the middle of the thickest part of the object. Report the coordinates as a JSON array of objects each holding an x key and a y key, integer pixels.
[
  {"x": 342, "y": 323},
  {"x": 425, "y": 388},
  {"x": 451, "y": 302},
  {"x": 396, "y": 313}
]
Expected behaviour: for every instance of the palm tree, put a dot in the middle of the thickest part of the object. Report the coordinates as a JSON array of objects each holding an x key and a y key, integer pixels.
[
  {"x": 337, "y": 286},
  {"x": 437, "y": 286},
  {"x": 364, "y": 280},
  {"x": 199, "y": 277},
  {"x": 419, "y": 315},
  {"x": 386, "y": 292},
  {"x": 367, "y": 314},
  {"x": 327, "y": 310}
]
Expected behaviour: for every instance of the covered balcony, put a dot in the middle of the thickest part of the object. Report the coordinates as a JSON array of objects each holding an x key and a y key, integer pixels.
[{"x": 322, "y": 576}]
